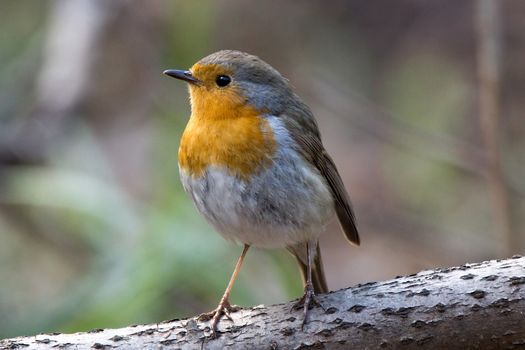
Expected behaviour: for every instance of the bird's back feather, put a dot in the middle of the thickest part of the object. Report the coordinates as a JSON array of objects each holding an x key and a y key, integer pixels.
[{"x": 303, "y": 128}]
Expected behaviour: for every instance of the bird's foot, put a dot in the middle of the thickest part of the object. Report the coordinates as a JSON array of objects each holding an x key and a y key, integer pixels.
[
  {"x": 224, "y": 309},
  {"x": 308, "y": 300}
]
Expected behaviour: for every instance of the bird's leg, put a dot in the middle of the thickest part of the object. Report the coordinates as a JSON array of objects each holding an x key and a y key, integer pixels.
[
  {"x": 224, "y": 307},
  {"x": 309, "y": 293}
]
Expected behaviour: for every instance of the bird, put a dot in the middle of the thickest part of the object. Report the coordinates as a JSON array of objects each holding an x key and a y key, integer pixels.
[{"x": 252, "y": 160}]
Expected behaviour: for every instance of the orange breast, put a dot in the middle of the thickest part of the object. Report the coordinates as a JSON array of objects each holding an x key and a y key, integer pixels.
[{"x": 240, "y": 141}]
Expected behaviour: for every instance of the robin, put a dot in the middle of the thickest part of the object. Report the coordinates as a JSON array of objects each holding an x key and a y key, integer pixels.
[{"x": 252, "y": 160}]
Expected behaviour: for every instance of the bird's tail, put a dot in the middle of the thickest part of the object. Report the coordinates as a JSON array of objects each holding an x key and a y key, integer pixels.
[{"x": 318, "y": 277}]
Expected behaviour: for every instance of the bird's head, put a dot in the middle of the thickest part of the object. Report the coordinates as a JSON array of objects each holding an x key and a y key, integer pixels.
[{"x": 227, "y": 80}]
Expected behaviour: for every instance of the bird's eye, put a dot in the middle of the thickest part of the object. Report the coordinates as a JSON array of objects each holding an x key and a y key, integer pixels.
[{"x": 223, "y": 80}]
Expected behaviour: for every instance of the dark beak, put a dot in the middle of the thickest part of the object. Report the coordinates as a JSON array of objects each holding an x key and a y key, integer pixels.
[{"x": 183, "y": 75}]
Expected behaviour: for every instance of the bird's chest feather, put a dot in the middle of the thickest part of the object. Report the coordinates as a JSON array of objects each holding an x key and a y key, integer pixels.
[
  {"x": 284, "y": 201},
  {"x": 243, "y": 145}
]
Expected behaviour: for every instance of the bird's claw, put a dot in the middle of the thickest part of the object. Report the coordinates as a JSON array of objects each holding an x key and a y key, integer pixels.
[
  {"x": 223, "y": 310},
  {"x": 307, "y": 301}
]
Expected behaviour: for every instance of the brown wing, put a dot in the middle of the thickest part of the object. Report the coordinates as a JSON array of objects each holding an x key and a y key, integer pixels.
[{"x": 303, "y": 128}]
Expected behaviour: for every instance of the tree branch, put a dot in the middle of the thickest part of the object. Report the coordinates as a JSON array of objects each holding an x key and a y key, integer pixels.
[{"x": 479, "y": 306}]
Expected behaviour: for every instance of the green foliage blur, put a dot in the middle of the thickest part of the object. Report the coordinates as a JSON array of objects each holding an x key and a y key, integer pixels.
[{"x": 95, "y": 228}]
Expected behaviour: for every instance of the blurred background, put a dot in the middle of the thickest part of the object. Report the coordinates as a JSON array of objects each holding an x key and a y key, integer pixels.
[{"x": 419, "y": 102}]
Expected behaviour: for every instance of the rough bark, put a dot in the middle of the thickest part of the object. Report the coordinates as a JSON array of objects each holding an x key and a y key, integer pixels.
[{"x": 475, "y": 306}]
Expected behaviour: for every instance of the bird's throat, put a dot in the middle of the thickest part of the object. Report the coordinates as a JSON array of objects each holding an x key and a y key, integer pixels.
[{"x": 238, "y": 140}]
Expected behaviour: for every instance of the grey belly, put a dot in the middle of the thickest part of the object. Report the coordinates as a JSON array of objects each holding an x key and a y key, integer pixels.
[{"x": 285, "y": 204}]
